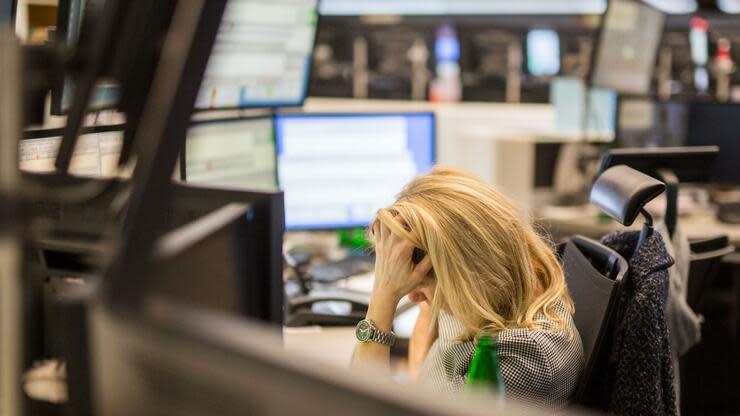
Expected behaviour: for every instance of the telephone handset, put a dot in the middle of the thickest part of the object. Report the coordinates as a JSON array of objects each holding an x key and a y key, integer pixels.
[{"x": 327, "y": 308}]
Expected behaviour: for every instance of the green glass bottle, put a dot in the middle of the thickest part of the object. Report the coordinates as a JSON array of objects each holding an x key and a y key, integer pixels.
[{"x": 485, "y": 371}]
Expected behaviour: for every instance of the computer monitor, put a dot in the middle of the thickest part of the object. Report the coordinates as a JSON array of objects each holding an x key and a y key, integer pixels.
[
  {"x": 574, "y": 111},
  {"x": 567, "y": 96},
  {"x": 716, "y": 124},
  {"x": 7, "y": 12},
  {"x": 543, "y": 52},
  {"x": 627, "y": 48},
  {"x": 208, "y": 262},
  {"x": 96, "y": 154},
  {"x": 87, "y": 221},
  {"x": 237, "y": 153},
  {"x": 337, "y": 170},
  {"x": 262, "y": 55},
  {"x": 191, "y": 202},
  {"x": 70, "y": 15},
  {"x": 602, "y": 111}
]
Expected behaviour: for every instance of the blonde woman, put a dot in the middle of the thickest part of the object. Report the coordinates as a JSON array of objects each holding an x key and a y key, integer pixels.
[{"x": 486, "y": 271}]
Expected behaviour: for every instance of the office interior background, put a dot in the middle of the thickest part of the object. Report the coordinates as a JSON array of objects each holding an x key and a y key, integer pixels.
[{"x": 185, "y": 195}]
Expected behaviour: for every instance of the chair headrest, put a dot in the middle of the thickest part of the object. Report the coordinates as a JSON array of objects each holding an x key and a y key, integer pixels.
[{"x": 621, "y": 192}]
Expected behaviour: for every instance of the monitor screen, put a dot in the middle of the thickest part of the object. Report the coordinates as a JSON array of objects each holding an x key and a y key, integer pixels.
[
  {"x": 338, "y": 170},
  {"x": 567, "y": 98},
  {"x": 233, "y": 153},
  {"x": 602, "y": 111},
  {"x": 627, "y": 48},
  {"x": 262, "y": 55},
  {"x": 96, "y": 154},
  {"x": 543, "y": 52},
  {"x": 573, "y": 108}
]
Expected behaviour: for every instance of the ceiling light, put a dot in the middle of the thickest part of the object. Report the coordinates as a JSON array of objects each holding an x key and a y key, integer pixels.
[
  {"x": 460, "y": 7},
  {"x": 729, "y": 6},
  {"x": 674, "y": 6}
]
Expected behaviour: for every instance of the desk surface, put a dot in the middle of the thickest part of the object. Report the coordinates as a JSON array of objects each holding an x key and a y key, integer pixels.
[
  {"x": 565, "y": 221},
  {"x": 331, "y": 345}
]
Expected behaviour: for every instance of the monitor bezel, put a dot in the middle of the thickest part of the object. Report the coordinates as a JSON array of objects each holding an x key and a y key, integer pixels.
[
  {"x": 47, "y": 133},
  {"x": 335, "y": 227}
]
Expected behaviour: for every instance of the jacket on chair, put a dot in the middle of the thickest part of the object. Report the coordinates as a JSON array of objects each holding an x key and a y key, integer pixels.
[{"x": 639, "y": 371}]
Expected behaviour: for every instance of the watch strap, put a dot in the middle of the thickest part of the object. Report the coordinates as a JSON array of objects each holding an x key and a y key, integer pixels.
[{"x": 384, "y": 338}]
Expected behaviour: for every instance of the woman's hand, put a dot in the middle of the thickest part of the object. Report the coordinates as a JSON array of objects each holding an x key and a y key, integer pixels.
[{"x": 395, "y": 274}]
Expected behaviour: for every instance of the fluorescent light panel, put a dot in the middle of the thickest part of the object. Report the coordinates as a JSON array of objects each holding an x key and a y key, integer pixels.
[
  {"x": 460, "y": 7},
  {"x": 729, "y": 6}
]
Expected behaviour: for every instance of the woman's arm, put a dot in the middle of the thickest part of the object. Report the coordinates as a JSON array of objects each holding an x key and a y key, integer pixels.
[
  {"x": 395, "y": 276},
  {"x": 371, "y": 354},
  {"x": 421, "y": 341}
]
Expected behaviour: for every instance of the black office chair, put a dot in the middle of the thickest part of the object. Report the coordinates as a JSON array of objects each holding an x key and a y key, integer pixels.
[
  {"x": 706, "y": 256},
  {"x": 595, "y": 274}
]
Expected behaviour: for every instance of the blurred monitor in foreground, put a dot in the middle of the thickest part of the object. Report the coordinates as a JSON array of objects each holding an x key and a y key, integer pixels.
[
  {"x": 262, "y": 55},
  {"x": 338, "y": 170},
  {"x": 170, "y": 359},
  {"x": 236, "y": 153},
  {"x": 543, "y": 52},
  {"x": 627, "y": 48},
  {"x": 7, "y": 12},
  {"x": 716, "y": 124},
  {"x": 209, "y": 262},
  {"x": 105, "y": 95},
  {"x": 96, "y": 154}
]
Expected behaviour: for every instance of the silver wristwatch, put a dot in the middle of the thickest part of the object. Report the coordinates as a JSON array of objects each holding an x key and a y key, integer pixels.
[{"x": 367, "y": 332}]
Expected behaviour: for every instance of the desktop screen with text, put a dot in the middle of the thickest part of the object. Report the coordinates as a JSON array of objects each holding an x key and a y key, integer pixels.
[
  {"x": 338, "y": 170},
  {"x": 233, "y": 154},
  {"x": 262, "y": 55}
]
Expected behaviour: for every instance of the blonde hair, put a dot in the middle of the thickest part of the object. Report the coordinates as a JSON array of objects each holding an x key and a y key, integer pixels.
[{"x": 493, "y": 271}]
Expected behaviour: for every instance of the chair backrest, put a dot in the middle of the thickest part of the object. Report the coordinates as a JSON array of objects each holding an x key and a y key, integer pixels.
[
  {"x": 594, "y": 275},
  {"x": 706, "y": 255}
]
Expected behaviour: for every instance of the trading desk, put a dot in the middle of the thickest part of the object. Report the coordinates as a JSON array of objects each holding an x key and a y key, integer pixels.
[
  {"x": 562, "y": 222},
  {"x": 331, "y": 345}
]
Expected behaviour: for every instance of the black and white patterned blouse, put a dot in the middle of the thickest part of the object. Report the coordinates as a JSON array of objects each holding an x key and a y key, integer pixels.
[{"x": 537, "y": 366}]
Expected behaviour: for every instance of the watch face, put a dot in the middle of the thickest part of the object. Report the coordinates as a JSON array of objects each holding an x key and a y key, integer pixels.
[{"x": 363, "y": 331}]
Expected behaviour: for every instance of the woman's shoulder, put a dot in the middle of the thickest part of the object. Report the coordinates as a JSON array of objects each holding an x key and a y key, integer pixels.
[
  {"x": 541, "y": 364},
  {"x": 544, "y": 341},
  {"x": 546, "y": 348}
]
